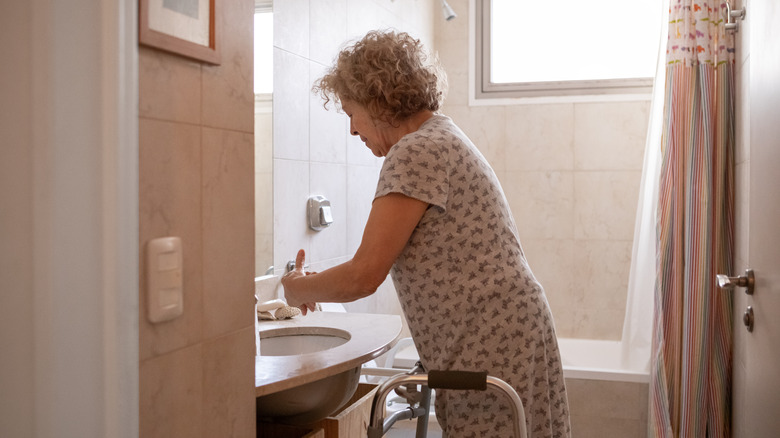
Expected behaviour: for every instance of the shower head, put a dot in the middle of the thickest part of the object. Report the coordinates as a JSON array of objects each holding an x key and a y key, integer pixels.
[{"x": 449, "y": 14}]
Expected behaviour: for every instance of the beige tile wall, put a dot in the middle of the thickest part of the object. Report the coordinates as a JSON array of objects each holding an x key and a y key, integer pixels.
[
  {"x": 607, "y": 409},
  {"x": 571, "y": 173},
  {"x": 196, "y": 133}
]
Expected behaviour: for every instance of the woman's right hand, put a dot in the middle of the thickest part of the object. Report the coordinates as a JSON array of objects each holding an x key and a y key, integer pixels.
[{"x": 288, "y": 282}]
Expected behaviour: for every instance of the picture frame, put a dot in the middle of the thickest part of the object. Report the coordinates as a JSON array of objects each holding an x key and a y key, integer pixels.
[{"x": 189, "y": 28}]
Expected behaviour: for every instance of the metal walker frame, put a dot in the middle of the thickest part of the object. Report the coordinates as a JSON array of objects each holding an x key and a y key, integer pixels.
[{"x": 379, "y": 426}]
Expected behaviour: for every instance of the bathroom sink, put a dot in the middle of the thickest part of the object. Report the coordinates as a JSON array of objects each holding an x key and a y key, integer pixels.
[
  {"x": 309, "y": 402},
  {"x": 309, "y": 367},
  {"x": 314, "y": 400},
  {"x": 291, "y": 341}
]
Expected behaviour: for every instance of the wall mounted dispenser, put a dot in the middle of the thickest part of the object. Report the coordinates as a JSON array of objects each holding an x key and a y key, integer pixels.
[{"x": 320, "y": 215}]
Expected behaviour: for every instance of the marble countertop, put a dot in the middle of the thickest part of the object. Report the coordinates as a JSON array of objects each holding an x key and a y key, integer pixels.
[{"x": 371, "y": 336}]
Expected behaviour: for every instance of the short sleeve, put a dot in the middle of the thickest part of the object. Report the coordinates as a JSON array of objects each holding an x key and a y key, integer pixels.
[{"x": 416, "y": 167}]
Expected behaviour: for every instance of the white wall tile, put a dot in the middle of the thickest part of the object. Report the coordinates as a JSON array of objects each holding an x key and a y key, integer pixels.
[
  {"x": 291, "y": 192},
  {"x": 361, "y": 187},
  {"x": 327, "y": 131},
  {"x": 420, "y": 15},
  {"x": 357, "y": 151},
  {"x": 330, "y": 181},
  {"x": 363, "y": 16},
  {"x": 291, "y": 105},
  {"x": 313, "y": 149},
  {"x": 328, "y": 31},
  {"x": 291, "y": 27}
]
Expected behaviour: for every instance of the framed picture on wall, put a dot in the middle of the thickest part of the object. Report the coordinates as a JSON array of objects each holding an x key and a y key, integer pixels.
[{"x": 185, "y": 27}]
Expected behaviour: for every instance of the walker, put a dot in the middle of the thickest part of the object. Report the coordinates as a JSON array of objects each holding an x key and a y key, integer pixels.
[{"x": 457, "y": 380}]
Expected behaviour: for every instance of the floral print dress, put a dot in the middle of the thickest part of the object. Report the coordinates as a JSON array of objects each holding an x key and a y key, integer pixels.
[{"x": 468, "y": 294}]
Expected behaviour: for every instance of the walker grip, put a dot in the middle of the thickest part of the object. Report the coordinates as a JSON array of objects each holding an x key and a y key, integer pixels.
[{"x": 458, "y": 380}]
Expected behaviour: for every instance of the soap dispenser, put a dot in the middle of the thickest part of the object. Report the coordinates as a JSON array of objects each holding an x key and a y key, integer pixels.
[{"x": 320, "y": 215}]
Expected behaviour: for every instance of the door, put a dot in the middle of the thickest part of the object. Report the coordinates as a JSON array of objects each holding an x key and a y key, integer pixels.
[{"x": 756, "y": 411}]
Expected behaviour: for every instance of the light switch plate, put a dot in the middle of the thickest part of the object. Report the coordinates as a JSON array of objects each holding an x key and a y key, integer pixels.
[{"x": 164, "y": 279}]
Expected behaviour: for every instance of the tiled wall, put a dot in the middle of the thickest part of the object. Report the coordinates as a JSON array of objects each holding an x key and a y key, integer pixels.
[
  {"x": 571, "y": 173},
  {"x": 607, "y": 409},
  {"x": 196, "y": 182},
  {"x": 313, "y": 153}
]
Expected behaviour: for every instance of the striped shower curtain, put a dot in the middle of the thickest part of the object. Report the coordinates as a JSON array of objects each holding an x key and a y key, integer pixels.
[{"x": 690, "y": 392}]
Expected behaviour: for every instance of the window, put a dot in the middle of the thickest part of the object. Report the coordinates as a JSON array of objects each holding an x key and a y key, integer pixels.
[
  {"x": 263, "y": 43},
  {"x": 565, "y": 47}
]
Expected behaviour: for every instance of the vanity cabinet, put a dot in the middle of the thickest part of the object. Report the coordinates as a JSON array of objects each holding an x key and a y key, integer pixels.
[{"x": 351, "y": 421}]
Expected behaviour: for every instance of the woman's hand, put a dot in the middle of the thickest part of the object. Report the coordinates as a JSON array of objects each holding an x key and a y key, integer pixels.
[{"x": 288, "y": 282}]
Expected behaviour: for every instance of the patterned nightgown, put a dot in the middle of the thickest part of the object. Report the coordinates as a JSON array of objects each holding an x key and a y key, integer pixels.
[{"x": 468, "y": 294}]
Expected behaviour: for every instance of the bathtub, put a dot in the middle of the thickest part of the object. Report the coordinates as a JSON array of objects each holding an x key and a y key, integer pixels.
[
  {"x": 607, "y": 388},
  {"x": 600, "y": 360}
]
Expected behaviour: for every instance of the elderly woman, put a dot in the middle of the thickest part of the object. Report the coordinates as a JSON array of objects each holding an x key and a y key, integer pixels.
[{"x": 441, "y": 226}]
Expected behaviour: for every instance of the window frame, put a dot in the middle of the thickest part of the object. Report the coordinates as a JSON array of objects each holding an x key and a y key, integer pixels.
[{"x": 484, "y": 89}]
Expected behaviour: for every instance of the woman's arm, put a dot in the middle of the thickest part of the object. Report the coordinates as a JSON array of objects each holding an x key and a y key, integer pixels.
[{"x": 391, "y": 222}]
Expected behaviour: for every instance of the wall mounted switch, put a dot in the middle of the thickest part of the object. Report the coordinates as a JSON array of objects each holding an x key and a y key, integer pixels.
[{"x": 164, "y": 278}]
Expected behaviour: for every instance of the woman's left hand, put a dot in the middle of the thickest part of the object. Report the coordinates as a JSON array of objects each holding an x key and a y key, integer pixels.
[{"x": 288, "y": 280}]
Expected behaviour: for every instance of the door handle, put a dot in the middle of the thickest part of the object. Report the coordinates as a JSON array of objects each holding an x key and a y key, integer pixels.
[{"x": 747, "y": 281}]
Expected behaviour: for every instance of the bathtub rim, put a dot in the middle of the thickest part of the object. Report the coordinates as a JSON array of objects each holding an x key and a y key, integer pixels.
[
  {"x": 581, "y": 373},
  {"x": 617, "y": 370},
  {"x": 407, "y": 356}
]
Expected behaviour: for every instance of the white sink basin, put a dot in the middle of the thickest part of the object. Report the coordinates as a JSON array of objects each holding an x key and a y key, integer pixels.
[
  {"x": 310, "y": 402},
  {"x": 315, "y": 400},
  {"x": 292, "y": 341},
  {"x": 308, "y": 367}
]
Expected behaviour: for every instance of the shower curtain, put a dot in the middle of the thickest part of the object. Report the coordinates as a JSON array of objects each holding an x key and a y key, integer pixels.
[
  {"x": 691, "y": 361},
  {"x": 636, "y": 339}
]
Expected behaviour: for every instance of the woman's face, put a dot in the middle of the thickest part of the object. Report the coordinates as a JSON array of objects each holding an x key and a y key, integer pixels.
[{"x": 378, "y": 136}]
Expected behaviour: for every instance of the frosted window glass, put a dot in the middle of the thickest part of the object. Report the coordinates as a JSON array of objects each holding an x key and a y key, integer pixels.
[
  {"x": 570, "y": 40},
  {"x": 264, "y": 58}
]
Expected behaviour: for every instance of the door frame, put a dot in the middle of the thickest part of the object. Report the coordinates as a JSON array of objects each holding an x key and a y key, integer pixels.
[{"x": 85, "y": 267}]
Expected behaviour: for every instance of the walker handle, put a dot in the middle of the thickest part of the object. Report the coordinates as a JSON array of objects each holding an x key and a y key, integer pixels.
[{"x": 458, "y": 380}]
